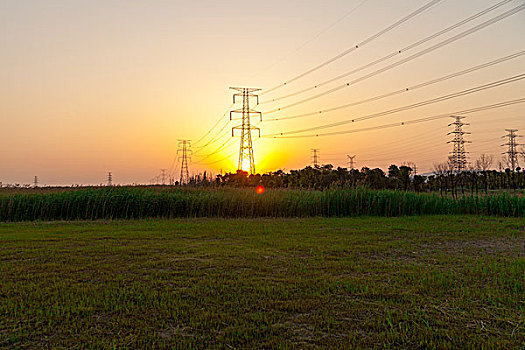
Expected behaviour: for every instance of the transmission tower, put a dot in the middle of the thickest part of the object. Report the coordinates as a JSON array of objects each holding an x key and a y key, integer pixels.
[
  {"x": 35, "y": 181},
  {"x": 412, "y": 166},
  {"x": 246, "y": 147},
  {"x": 163, "y": 176},
  {"x": 513, "y": 148},
  {"x": 351, "y": 162},
  {"x": 110, "y": 179},
  {"x": 315, "y": 157},
  {"x": 184, "y": 148},
  {"x": 458, "y": 155}
]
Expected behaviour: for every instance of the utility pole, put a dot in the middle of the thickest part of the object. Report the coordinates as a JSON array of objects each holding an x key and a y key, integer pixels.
[
  {"x": 351, "y": 161},
  {"x": 35, "y": 181},
  {"x": 246, "y": 148},
  {"x": 184, "y": 148},
  {"x": 110, "y": 179},
  {"x": 513, "y": 148},
  {"x": 459, "y": 155},
  {"x": 315, "y": 157}
]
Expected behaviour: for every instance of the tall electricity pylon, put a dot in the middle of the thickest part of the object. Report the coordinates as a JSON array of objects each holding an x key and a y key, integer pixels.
[
  {"x": 351, "y": 161},
  {"x": 315, "y": 157},
  {"x": 513, "y": 148},
  {"x": 246, "y": 147},
  {"x": 110, "y": 179},
  {"x": 184, "y": 147},
  {"x": 458, "y": 155}
]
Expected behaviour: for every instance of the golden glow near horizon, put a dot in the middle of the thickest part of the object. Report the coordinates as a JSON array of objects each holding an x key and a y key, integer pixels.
[{"x": 98, "y": 86}]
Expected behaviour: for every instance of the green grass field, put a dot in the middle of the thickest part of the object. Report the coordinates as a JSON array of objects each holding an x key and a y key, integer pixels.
[{"x": 416, "y": 282}]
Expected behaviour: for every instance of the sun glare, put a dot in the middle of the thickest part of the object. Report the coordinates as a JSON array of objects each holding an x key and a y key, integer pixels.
[{"x": 245, "y": 166}]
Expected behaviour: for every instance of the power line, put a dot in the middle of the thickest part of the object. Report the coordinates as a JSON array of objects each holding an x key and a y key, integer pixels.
[
  {"x": 394, "y": 146},
  {"x": 173, "y": 167},
  {"x": 318, "y": 35},
  {"x": 410, "y": 88},
  {"x": 407, "y": 59},
  {"x": 223, "y": 159},
  {"x": 227, "y": 143},
  {"x": 409, "y": 122},
  {"x": 215, "y": 138},
  {"x": 355, "y": 47},
  {"x": 228, "y": 156},
  {"x": 215, "y": 125},
  {"x": 398, "y": 52},
  {"x": 408, "y": 107}
]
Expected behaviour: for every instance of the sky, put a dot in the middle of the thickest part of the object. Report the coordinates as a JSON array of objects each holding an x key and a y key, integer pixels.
[{"x": 89, "y": 87}]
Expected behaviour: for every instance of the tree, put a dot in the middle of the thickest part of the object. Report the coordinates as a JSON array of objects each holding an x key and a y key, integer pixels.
[
  {"x": 394, "y": 175},
  {"x": 442, "y": 171},
  {"x": 484, "y": 163},
  {"x": 404, "y": 176}
]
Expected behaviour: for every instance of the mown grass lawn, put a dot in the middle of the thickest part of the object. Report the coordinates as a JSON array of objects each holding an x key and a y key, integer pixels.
[{"x": 418, "y": 282}]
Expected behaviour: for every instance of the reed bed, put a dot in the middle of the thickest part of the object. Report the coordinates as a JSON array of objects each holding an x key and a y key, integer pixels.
[{"x": 137, "y": 203}]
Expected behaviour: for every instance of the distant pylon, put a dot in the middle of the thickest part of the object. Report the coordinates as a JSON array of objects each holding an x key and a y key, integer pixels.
[
  {"x": 163, "y": 176},
  {"x": 412, "y": 166},
  {"x": 351, "y": 162},
  {"x": 513, "y": 148},
  {"x": 246, "y": 148},
  {"x": 35, "y": 181},
  {"x": 458, "y": 155},
  {"x": 184, "y": 147},
  {"x": 110, "y": 179},
  {"x": 315, "y": 157}
]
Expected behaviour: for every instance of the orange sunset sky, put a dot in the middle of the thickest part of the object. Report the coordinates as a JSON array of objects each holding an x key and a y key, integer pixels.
[{"x": 88, "y": 87}]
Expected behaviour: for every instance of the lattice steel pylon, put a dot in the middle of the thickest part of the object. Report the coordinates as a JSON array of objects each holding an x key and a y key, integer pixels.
[
  {"x": 512, "y": 152},
  {"x": 351, "y": 161},
  {"x": 246, "y": 160},
  {"x": 315, "y": 157},
  {"x": 458, "y": 156},
  {"x": 184, "y": 147}
]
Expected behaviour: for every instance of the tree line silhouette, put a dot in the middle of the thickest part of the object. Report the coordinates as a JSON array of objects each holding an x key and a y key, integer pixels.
[{"x": 479, "y": 178}]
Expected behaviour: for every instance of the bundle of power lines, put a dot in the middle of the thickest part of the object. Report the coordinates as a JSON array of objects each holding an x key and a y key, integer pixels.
[{"x": 219, "y": 137}]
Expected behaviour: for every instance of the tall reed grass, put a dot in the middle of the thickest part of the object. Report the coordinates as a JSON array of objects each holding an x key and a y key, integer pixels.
[{"x": 135, "y": 203}]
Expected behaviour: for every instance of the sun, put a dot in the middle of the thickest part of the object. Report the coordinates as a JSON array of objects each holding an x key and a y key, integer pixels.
[{"x": 245, "y": 166}]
